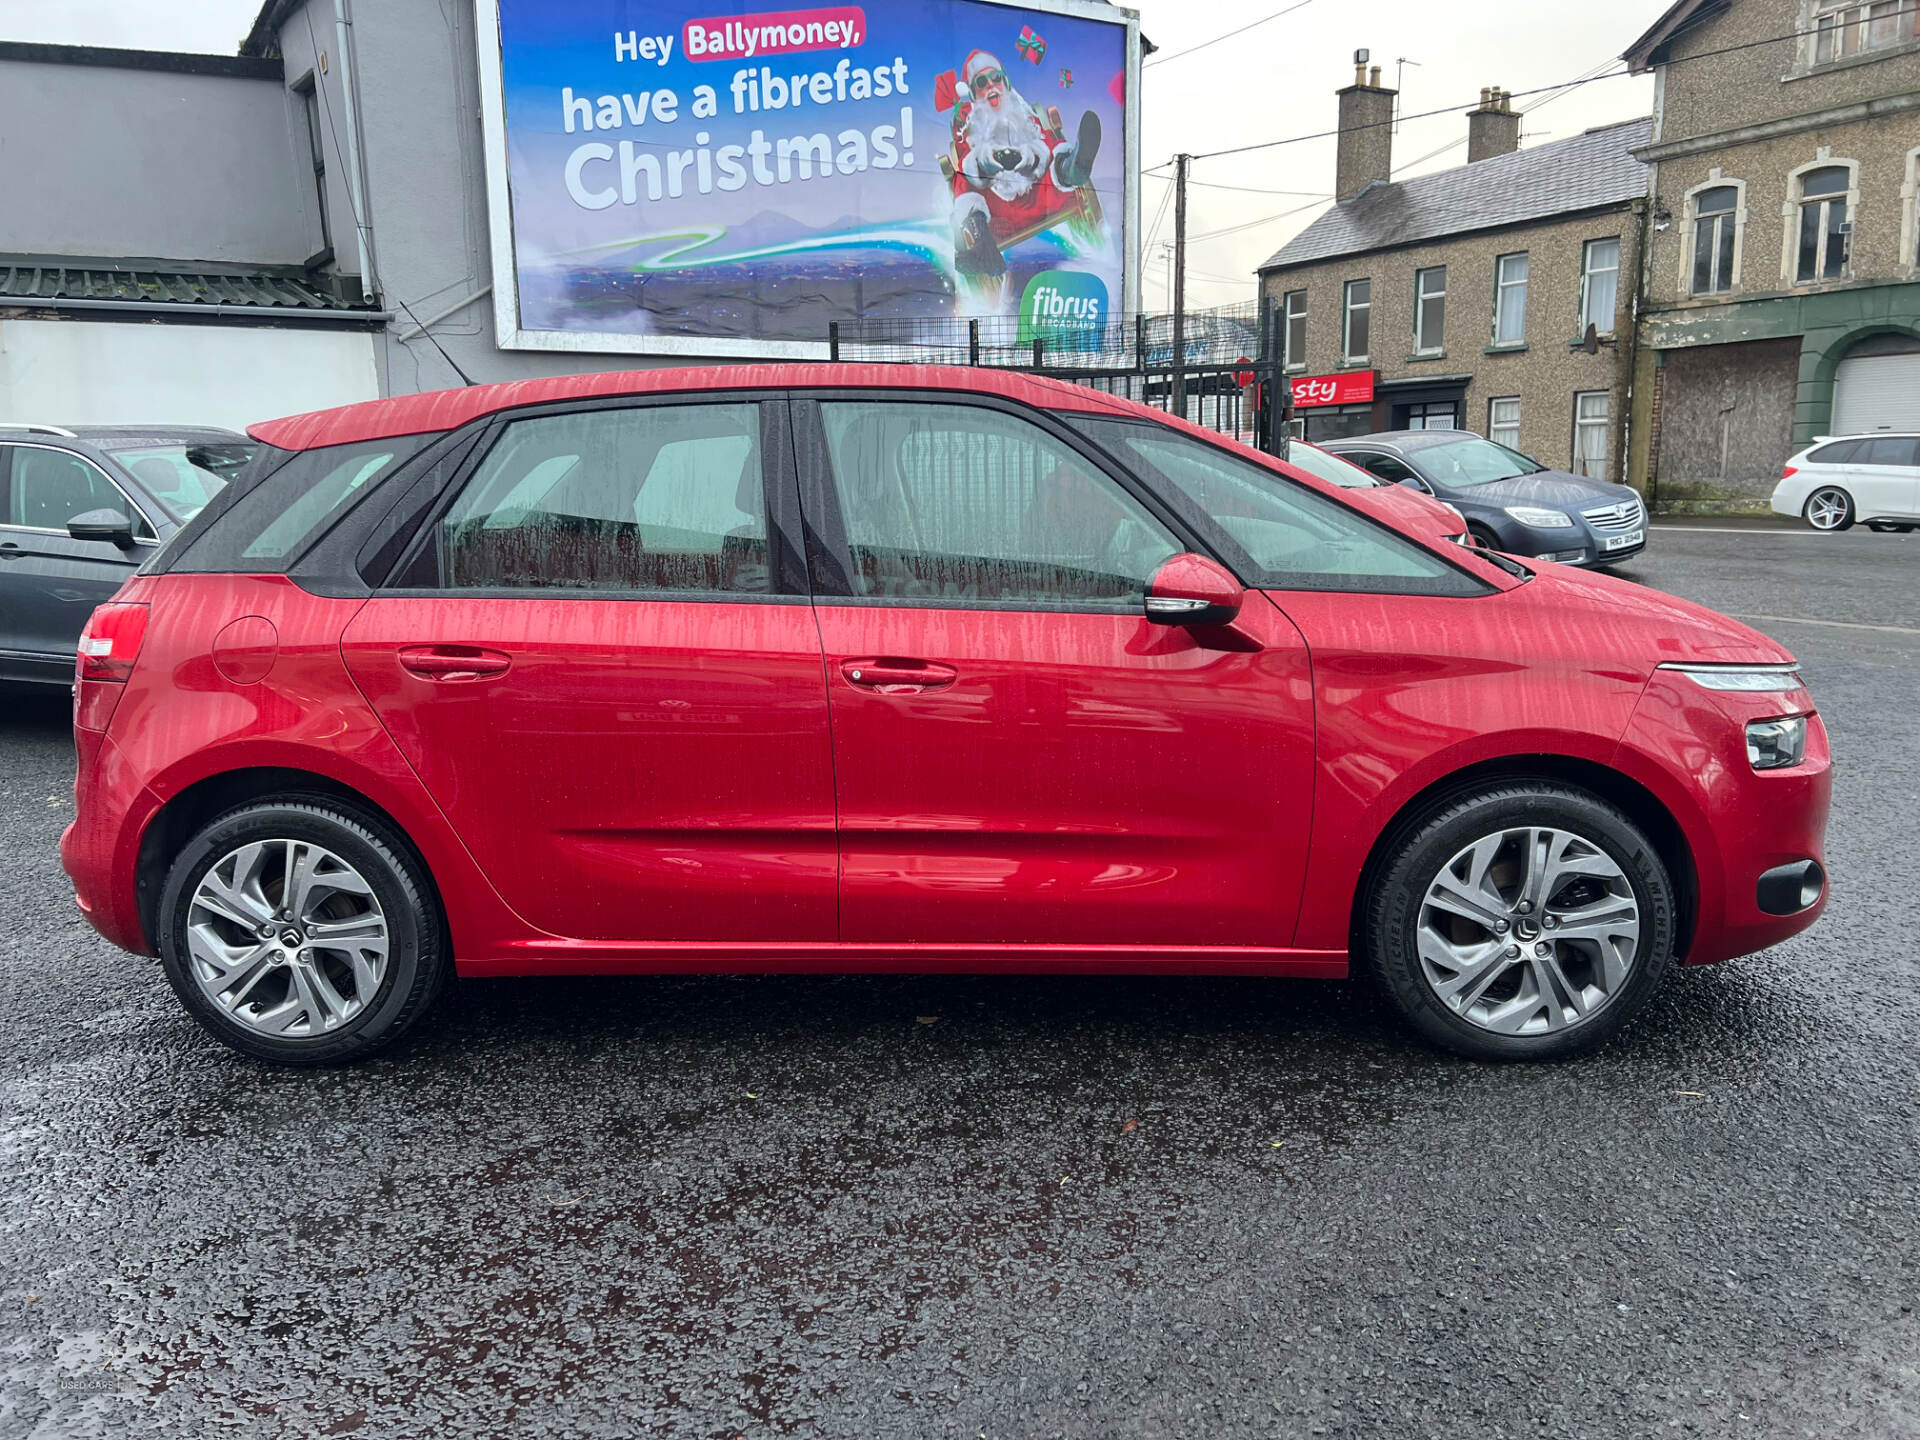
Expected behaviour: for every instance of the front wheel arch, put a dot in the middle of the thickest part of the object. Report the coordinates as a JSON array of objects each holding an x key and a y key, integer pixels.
[
  {"x": 187, "y": 813},
  {"x": 1624, "y": 793}
]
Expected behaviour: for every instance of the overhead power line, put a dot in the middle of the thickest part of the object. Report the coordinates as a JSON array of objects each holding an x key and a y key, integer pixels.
[{"x": 1192, "y": 49}]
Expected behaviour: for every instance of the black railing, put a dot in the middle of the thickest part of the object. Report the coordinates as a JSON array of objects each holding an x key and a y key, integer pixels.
[{"x": 1227, "y": 378}]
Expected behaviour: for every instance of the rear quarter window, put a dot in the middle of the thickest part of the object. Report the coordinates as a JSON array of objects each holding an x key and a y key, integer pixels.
[{"x": 281, "y": 510}]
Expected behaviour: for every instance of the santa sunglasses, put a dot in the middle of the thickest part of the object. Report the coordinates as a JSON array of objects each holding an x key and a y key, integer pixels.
[{"x": 990, "y": 77}]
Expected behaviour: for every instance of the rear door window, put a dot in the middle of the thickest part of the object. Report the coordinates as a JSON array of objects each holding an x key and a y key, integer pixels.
[
  {"x": 1841, "y": 452},
  {"x": 658, "y": 498},
  {"x": 1887, "y": 450}
]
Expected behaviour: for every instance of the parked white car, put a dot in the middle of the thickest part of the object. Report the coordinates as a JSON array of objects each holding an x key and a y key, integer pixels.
[{"x": 1874, "y": 479}]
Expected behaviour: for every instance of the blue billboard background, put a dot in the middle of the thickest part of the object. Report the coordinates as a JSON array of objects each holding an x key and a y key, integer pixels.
[{"x": 788, "y": 173}]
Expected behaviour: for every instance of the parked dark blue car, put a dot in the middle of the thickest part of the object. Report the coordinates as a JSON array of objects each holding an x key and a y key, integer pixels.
[
  {"x": 80, "y": 509},
  {"x": 1511, "y": 501}
]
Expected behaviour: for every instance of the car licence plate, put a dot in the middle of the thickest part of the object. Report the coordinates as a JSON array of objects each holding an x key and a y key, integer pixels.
[{"x": 1623, "y": 542}]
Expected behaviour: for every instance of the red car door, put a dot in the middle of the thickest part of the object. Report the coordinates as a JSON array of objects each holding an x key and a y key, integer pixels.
[
  {"x": 1022, "y": 758},
  {"x": 604, "y": 668}
]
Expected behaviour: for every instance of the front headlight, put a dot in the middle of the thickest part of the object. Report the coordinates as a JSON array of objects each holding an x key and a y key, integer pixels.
[
  {"x": 1746, "y": 679},
  {"x": 1777, "y": 744},
  {"x": 1539, "y": 519}
]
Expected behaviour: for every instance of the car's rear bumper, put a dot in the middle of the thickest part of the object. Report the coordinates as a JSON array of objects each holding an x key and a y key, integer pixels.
[{"x": 100, "y": 850}]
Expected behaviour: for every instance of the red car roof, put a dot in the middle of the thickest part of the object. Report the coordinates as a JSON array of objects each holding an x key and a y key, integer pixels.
[{"x": 444, "y": 409}]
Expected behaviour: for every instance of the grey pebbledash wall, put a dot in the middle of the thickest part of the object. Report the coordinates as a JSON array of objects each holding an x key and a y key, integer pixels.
[{"x": 105, "y": 160}]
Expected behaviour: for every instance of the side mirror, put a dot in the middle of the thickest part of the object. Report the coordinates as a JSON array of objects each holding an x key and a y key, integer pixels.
[
  {"x": 1414, "y": 482},
  {"x": 1193, "y": 590},
  {"x": 102, "y": 525}
]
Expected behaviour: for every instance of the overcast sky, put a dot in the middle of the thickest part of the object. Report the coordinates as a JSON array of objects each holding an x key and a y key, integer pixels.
[{"x": 1275, "y": 80}]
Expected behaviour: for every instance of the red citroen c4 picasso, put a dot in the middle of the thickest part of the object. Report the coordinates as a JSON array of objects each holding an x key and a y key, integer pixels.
[{"x": 834, "y": 668}]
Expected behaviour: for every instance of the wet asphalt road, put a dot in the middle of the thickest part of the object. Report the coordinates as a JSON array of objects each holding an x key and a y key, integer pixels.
[{"x": 999, "y": 1207}]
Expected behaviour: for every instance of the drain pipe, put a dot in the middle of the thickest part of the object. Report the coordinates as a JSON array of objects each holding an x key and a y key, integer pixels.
[{"x": 350, "y": 91}]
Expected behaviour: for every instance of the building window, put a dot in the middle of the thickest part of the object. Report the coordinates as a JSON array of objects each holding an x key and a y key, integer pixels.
[
  {"x": 1825, "y": 227},
  {"x": 1510, "y": 300},
  {"x": 1430, "y": 310},
  {"x": 1503, "y": 421},
  {"x": 1910, "y": 192},
  {"x": 1592, "y": 422},
  {"x": 1716, "y": 217},
  {"x": 1358, "y": 319},
  {"x": 1295, "y": 344},
  {"x": 1599, "y": 284},
  {"x": 1840, "y": 31},
  {"x": 307, "y": 95},
  {"x": 1433, "y": 415}
]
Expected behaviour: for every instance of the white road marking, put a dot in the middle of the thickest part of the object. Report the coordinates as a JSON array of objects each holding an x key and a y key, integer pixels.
[
  {"x": 1826, "y": 624},
  {"x": 1745, "y": 530}
]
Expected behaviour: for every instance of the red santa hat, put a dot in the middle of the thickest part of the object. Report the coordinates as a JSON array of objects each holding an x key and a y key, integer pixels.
[{"x": 976, "y": 62}]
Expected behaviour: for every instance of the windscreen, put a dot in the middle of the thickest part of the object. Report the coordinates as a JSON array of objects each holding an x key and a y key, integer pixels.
[{"x": 1467, "y": 460}]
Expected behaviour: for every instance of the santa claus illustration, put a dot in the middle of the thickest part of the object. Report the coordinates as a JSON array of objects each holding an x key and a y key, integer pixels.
[{"x": 1013, "y": 170}]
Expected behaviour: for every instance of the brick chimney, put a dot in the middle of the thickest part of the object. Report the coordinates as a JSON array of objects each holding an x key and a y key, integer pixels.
[
  {"x": 1494, "y": 128},
  {"x": 1366, "y": 132}
]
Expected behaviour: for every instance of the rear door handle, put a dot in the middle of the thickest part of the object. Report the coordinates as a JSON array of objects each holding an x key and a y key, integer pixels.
[
  {"x": 453, "y": 662},
  {"x": 893, "y": 676},
  {"x": 10, "y": 551}
]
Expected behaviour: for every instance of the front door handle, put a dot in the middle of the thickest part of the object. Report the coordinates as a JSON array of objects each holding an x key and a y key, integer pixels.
[
  {"x": 891, "y": 675},
  {"x": 453, "y": 662}
]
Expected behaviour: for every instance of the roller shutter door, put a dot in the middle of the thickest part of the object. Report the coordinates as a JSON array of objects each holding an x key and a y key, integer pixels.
[{"x": 1876, "y": 392}]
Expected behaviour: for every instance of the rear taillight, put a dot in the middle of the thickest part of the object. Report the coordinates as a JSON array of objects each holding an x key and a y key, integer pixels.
[
  {"x": 111, "y": 642},
  {"x": 1791, "y": 471}
]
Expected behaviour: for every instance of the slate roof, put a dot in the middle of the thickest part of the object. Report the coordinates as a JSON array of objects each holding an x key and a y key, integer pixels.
[
  {"x": 27, "y": 278},
  {"x": 1561, "y": 178}
]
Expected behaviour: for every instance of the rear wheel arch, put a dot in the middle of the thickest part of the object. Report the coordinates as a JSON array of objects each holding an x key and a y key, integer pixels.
[
  {"x": 204, "y": 801},
  {"x": 1624, "y": 793}
]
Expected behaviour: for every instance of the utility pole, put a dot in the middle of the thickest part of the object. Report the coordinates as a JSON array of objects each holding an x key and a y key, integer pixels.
[{"x": 1180, "y": 285}]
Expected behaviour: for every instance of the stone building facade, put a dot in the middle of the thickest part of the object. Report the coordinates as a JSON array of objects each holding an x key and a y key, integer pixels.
[
  {"x": 1498, "y": 296},
  {"x": 1782, "y": 275}
]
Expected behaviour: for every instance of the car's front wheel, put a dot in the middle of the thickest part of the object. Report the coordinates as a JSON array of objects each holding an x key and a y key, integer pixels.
[
  {"x": 1888, "y": 527},
  {"x": 1527, "y": 921},
  {"x": 1829, "y": 508},
  {"x": 298, "y": 931}
]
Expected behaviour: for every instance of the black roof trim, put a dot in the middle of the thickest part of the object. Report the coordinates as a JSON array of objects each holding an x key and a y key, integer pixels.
[{"x": 238, "y": 67}]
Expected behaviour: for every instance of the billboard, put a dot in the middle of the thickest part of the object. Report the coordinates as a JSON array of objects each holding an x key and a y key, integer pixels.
[{"x": 697, "y": 177}]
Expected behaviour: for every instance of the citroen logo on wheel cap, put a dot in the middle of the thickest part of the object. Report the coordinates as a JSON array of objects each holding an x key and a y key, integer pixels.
[{"x": 290, "y": 938}]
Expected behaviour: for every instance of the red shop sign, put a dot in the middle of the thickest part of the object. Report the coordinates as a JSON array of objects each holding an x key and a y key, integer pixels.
[{"x": 1349, "y": 387}]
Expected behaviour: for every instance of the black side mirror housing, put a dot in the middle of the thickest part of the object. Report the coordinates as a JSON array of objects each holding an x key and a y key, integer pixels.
[{"x": 108, "y": 525}]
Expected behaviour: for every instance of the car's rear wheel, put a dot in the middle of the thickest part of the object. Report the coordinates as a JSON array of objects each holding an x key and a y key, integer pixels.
[
  {"x": 1829, "y": 508},
  {"x": 1528, "y": 921},
  {"x": 299, "y": 931}
]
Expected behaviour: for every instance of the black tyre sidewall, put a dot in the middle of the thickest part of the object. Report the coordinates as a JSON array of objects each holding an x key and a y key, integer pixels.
[
  {"x": 1394, "y": 912},
  {"x": 415, "y": 961}
]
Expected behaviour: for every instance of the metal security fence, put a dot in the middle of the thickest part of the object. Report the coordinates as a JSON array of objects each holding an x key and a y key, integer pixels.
[{"x": 1224, "y": 375}]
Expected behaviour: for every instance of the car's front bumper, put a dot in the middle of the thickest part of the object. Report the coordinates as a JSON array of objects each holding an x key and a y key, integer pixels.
[{"x": 1581, "y": 544}]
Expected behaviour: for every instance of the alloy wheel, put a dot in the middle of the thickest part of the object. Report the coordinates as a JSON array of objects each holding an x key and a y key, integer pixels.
[
  {"x": 1529, "y": 931},
  {"x": 287, "y": 938},
  {"x": 1828, "y": 509}
]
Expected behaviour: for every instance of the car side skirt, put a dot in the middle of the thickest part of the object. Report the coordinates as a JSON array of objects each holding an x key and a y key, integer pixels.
[{"x": 584, "y": 957}]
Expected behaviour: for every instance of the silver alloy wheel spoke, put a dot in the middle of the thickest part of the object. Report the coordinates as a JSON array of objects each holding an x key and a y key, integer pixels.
[
  {"x": 287, "y": 938},
  {"x": 1528, "y": 931},
  {"x": 1827, "y": 510}
]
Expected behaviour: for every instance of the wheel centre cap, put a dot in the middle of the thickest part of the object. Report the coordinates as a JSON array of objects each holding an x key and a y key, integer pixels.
[
  {"x": 291, "y": 938},
  {"x": 1526, "y": 929}
]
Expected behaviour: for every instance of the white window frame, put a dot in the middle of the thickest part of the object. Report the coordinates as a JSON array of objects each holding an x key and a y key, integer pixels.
[
  {"x": 1688, "y": 239},
  {"x": 1518, "y": 411},
  {"x": 1290, "y": 360},
  {"x": 1790, "y": 217},
  {"x": 1500, "y": 287},
  {"x": 1347, "y": 309},
  {"x": 1587, "y": 272},
  {"x": 1422, "y": 345},
  {"x": 1604, "y": 425},
  {"x": 1910, "y": 214},
  {"x": 1851, "y": 22}
]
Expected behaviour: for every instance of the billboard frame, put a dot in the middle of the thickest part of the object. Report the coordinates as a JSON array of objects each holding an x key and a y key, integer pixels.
[{"x": 508, "y": 333}]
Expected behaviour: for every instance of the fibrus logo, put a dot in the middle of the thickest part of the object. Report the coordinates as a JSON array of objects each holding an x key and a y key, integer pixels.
[{"x": 1062, "y": 306}]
